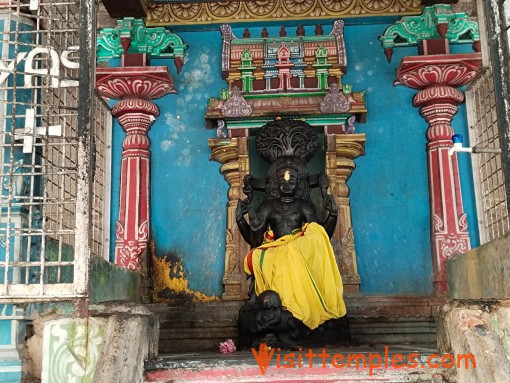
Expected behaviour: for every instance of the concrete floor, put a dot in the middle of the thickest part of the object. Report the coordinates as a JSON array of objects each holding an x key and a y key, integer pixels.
[{"x": 294, "y": 366}]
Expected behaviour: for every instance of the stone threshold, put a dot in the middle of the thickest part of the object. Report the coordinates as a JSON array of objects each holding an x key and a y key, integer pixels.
[
  {"x": 373, "y": 320},
  {"x": 209, "y": 367}
]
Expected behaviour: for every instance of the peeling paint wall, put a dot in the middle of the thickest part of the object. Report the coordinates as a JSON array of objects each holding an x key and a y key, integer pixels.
[
  {"x": 170, "y": 283},
  {"x": 477, "y": 328},
  {"x": 389, "y": 190}
]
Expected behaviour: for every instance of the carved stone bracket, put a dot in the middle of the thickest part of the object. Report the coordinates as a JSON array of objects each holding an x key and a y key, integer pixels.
[
  {"x": 334, "y": 101},
  {"x": 236, "y": 105},
  {"x": 233, "y": 155},
  {"x": 436, "y": 22},
  {"x": 133, "y": 37},
  {"x": 341, "y": 150}
]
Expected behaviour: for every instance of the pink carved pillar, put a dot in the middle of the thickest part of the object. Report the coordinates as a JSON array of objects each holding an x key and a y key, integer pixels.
[
  {"x": 134, "y": 86},
  {"x": 132, "y": 231},
  {"x": 437, "y": 77},
  {"x": 449, "y": 221}
]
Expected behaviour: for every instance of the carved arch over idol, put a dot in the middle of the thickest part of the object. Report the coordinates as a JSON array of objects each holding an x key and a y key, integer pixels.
[
  {"x": 291, "y": 74},
  {"x": 286, "y": 138}
]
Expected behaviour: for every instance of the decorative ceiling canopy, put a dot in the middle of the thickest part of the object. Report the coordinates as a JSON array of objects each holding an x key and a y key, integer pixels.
[{"x": 162, "y": 12}]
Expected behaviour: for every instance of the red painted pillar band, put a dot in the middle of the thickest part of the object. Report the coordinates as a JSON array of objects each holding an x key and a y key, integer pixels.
[
  {"x": 437, "y": 77},
  {"x": 132, "y": 231},
  {"x": 449, "y": 234},
  {"x": 134, "y": 86}
]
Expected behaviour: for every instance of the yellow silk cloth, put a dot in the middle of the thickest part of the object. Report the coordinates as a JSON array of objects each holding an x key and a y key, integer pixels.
[{"x": 302, "y": 269}]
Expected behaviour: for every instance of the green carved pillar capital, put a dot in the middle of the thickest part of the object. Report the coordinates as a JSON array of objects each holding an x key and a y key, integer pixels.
[
  {"x": 131, "y": 36},
  {"x": 436, "y": 22}
]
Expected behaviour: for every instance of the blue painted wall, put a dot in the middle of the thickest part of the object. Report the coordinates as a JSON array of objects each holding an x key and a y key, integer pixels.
[
  {"x": 5, "y": 332},
  {"x": 189, "y": 195},
  {"x": 389, "y": 189}
]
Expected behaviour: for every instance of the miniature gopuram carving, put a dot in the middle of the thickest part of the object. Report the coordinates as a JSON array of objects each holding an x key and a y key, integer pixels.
[
  {"x": 297, "y": 77},
  {"x": 283, "y": 63}
]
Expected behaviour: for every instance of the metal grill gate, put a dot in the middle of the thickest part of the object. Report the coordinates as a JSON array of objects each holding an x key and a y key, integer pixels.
[
  {"x": 52, "y": 157},
  {"x": 493, "y": 216}
]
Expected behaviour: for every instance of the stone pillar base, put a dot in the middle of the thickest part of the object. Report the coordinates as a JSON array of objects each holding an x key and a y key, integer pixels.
[
  {"x": 474, "y": 331},
  {"x": 110, "y": 345}
]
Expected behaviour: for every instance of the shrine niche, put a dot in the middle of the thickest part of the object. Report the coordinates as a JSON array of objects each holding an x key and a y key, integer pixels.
[
  {"x": 295, "y": 75},
  {"x": 296, "y": 292}
]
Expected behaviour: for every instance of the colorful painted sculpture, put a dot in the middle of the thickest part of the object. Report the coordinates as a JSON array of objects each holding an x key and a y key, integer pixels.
[
  {"x": 292, "y": 261},
  {"x": 260, "y": 65},
  {"x": 131, "y": 36},
  {"x": 290, "y": 76},
  {"x": 436, "y": 25},
  {"x": 256, "y": 94}
]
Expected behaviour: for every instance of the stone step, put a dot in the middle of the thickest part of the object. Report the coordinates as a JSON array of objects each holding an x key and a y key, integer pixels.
[
  {"x": 242, "y": 367},
  {"x": 372, "y": 320},
  {"x": 327, "y": 375}
]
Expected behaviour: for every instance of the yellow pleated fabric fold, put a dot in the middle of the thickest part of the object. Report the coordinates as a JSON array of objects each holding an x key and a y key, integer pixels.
[{"x": 302, "y": 269}]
